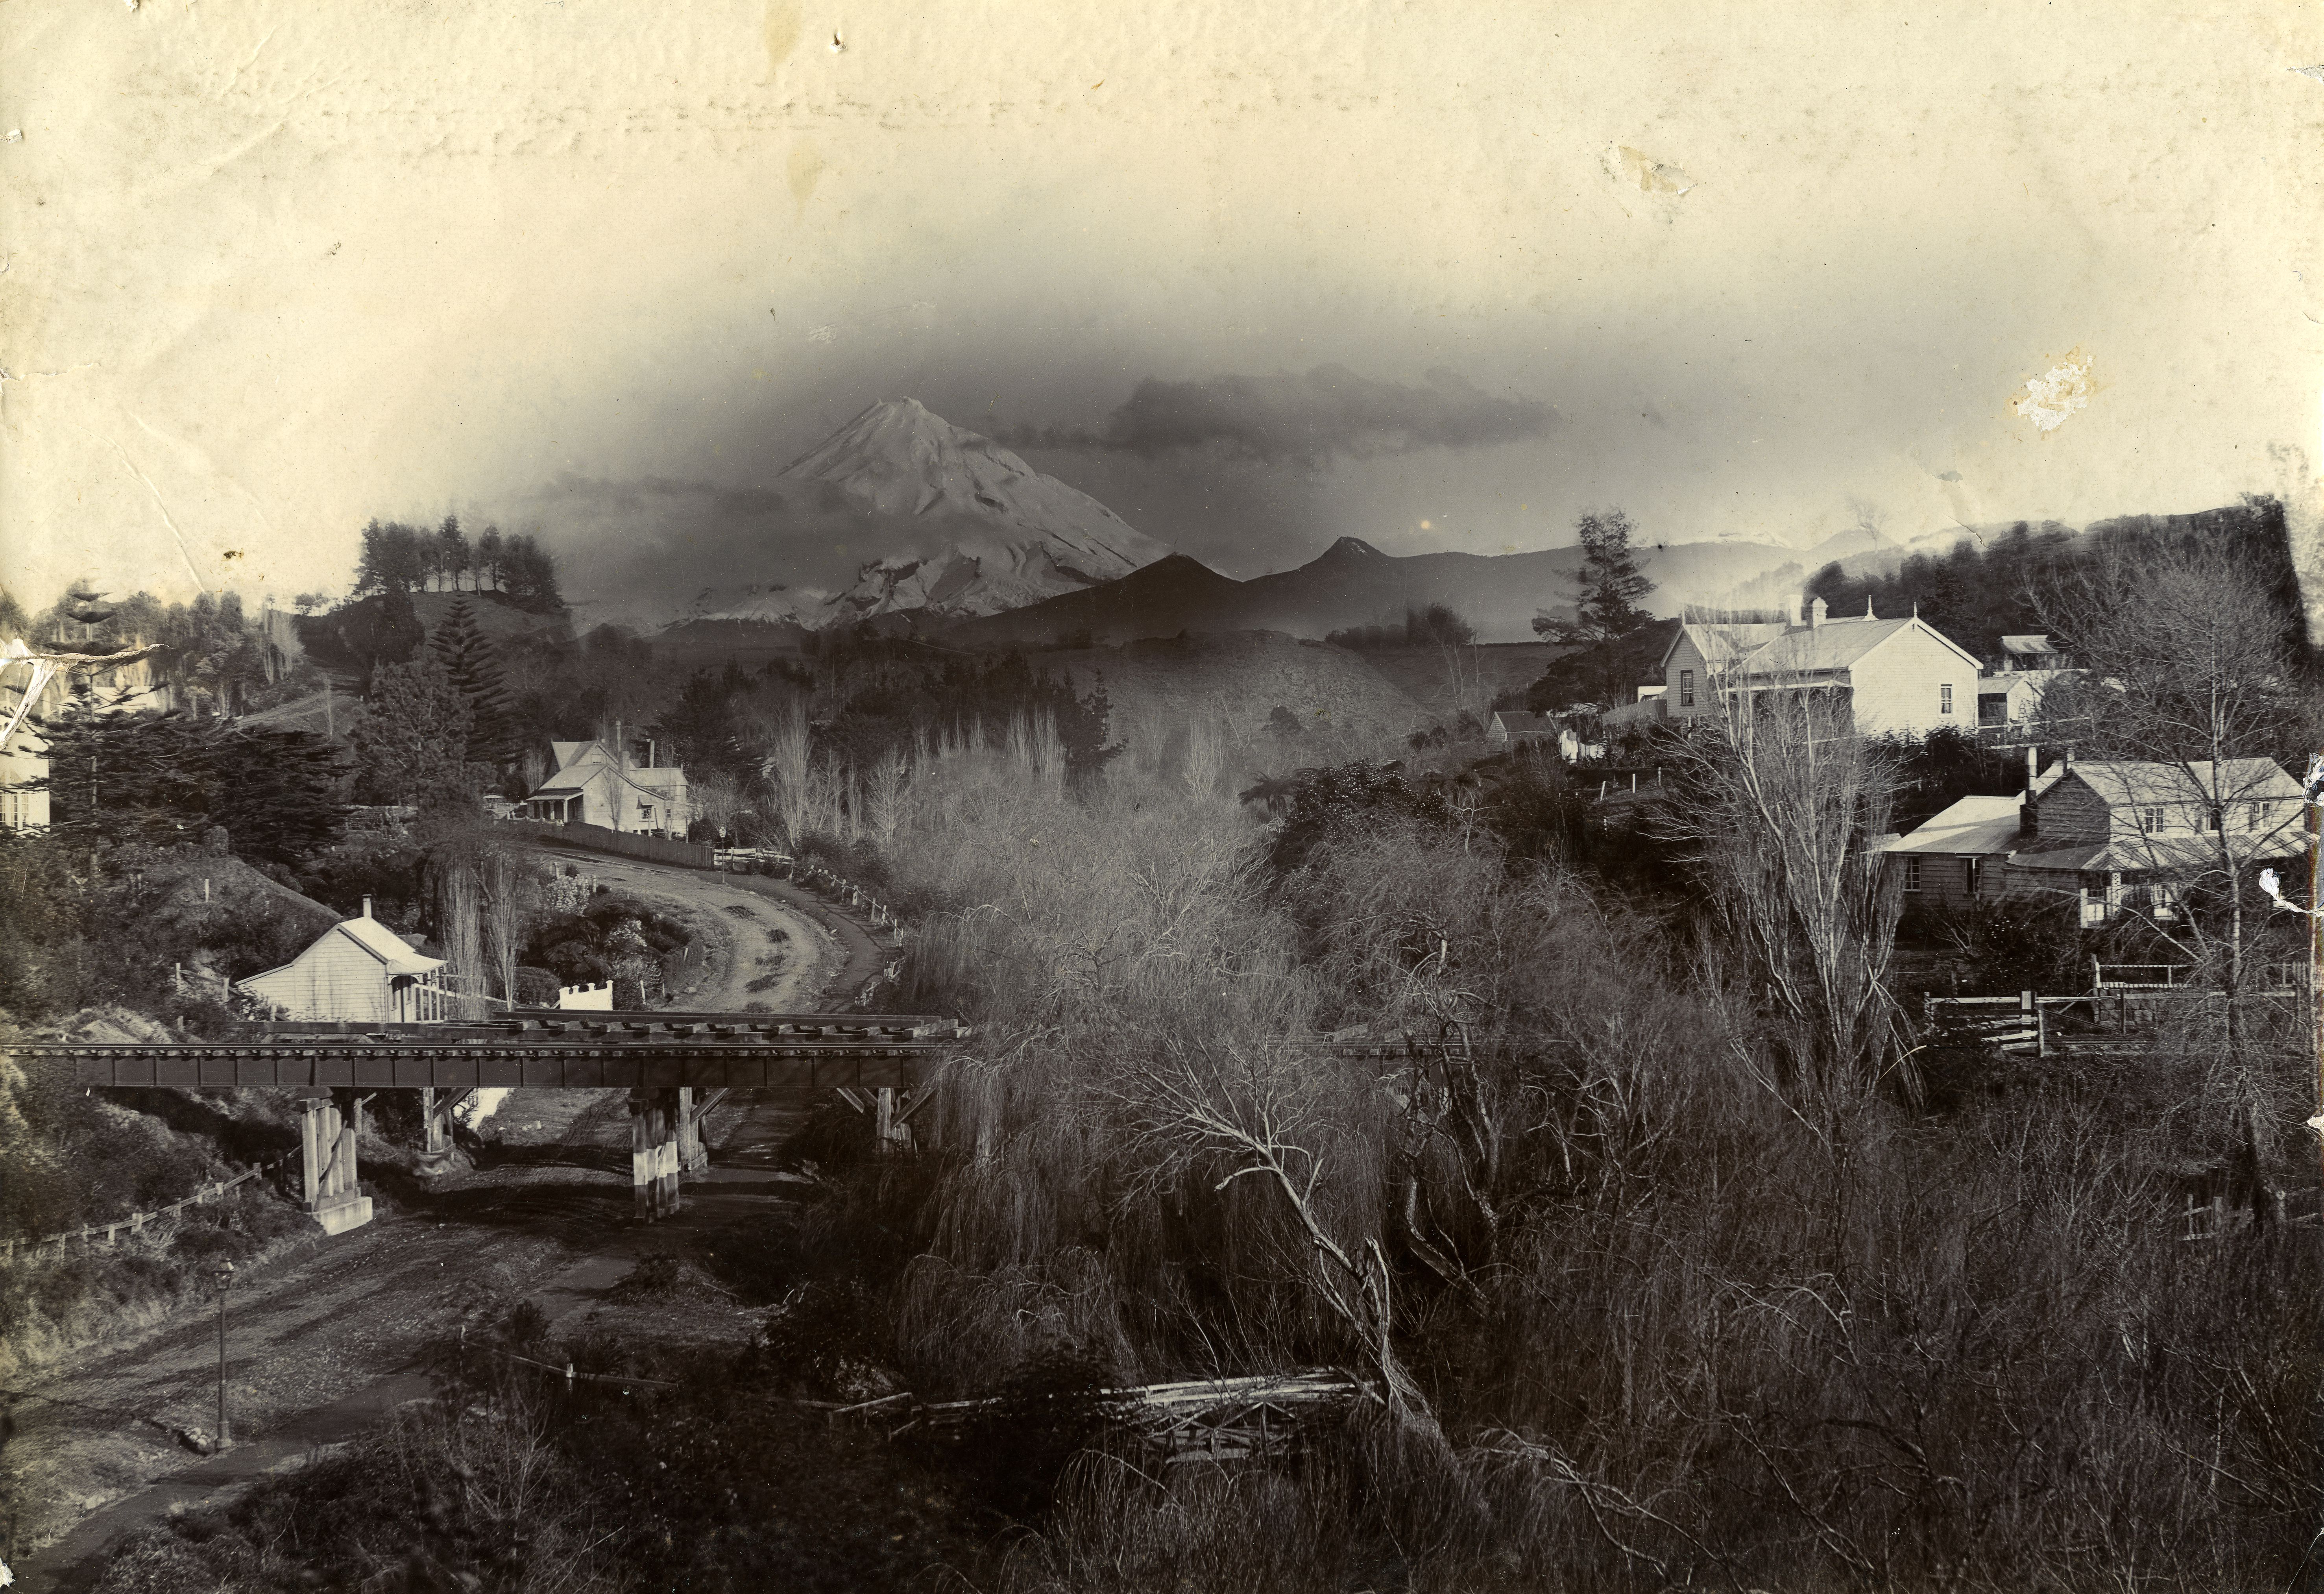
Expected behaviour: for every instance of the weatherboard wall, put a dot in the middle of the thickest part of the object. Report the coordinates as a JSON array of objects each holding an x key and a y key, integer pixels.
[
  {"x": 1900, "y": 685},
  {"x": 334, "y": 979}
]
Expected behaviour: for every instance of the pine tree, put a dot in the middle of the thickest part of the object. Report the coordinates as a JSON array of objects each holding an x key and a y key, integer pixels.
[
  {"x": 1605, "y": 608},
  {"x": 1611, "y": 584},
  {"x": 529, "y": 576},
  {"x": 465, "y": 655},
  {"x": 411, "y": 739},
  {"x": 453, "y": 555},
  {"x": 488, "y": 558}
]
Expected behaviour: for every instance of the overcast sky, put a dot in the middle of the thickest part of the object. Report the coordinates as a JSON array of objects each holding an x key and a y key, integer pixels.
[{"x": 1437, "y": 276}]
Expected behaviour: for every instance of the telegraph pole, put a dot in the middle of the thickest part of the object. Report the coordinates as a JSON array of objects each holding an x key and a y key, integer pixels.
[{"x": 225, "y": 1279}]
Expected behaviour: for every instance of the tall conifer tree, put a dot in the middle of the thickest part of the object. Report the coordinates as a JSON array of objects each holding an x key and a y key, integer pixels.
[{"x": 465, "y": 654}]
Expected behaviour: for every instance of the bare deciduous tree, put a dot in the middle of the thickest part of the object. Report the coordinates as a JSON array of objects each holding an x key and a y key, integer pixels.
[
  {"x": 1241, "y": 1115},
  {"x": 2189, "y": 669},
  {"x": 1781, "y": 806},
  {"x": 789, "y": 767},
  {"x": 503, "y": 917},
  {"x": 2193, "y": 680}
]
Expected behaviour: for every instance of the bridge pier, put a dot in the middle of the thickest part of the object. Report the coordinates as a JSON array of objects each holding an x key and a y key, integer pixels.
[
  {"x": 436, "y": 1109},
  {"x": 654, "y": 1153},
  {"x": 693, "y": 1156},
  {"x": 328, "y": 1168}
]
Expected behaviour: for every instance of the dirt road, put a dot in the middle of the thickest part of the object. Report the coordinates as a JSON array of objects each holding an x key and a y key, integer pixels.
[
  {"x": 301, "y": 1336},
  {"x": 766, "y": 951}
]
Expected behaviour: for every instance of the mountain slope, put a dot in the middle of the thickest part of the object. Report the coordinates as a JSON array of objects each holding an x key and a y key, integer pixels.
[
  {"x": 964, "y": 527},
  {"x": 1352, "y": 584}
]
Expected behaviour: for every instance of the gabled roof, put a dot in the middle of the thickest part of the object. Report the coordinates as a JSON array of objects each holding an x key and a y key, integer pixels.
[
  {"x": 1720, "y": 644},
  {"x": 1763, "y": 648},
  {"x": 2131, "y": 783},
  {"x": 1979, "y": 825},
  {"x": 567, "y": 751},
  {"x": 388, "y": 947},
  {"x": 1834, "y": 645},
  {"x": 2028, "y": 647},
  {"x": 1523, "y": 722},
  {"x": 393, "y": 952}
]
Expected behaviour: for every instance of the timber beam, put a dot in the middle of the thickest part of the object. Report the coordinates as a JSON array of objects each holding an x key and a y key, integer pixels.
[{"x": 704, "y": 1052}]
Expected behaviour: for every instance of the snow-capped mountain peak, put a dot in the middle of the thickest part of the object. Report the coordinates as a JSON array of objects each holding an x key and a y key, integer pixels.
[{"x": 965, "y": 526}]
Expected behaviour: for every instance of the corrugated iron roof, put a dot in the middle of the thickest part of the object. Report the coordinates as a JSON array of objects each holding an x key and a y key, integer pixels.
[
  {"x": 2128, "y": 784},
  {"x": 1834, "y": 645},
  {"x": 1980, "y": 825}
]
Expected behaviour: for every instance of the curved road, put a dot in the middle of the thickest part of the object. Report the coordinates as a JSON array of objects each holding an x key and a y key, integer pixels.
[{"x": 323, "y": 1343}]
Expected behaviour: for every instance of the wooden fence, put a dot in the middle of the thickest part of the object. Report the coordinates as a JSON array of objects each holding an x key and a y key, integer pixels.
[
  {"x": 659, "y": 849},
  {"x": 106, "y": 1233}
]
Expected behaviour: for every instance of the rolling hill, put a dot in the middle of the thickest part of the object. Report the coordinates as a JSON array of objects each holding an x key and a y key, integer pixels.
[{"x": 1350, "y": 584}]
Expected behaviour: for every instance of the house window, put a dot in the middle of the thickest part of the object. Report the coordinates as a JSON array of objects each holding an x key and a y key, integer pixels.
[
  {"x": 1686, "y": 689},
  {"x": 1911, "y": 874},
  {"x": 2215, "y": 820},
  {"x": 1993, "y": 707},
  {"x": 1970, "y": 868},
  {"x": 1945, "y": 697},
  {"x": 2150, "y": 820}
]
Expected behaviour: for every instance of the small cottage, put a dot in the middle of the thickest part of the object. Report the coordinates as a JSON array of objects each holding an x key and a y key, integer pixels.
[
  {"x": 359, "y": 970},
  {"x": 24, "y": 678}
]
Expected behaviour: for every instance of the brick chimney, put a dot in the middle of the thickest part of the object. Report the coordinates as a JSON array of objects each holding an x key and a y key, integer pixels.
[{"x": 1816, "y": 611}]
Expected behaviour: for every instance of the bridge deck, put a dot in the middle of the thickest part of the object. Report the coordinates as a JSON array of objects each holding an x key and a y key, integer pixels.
[{"x": 555, "y": 1050}]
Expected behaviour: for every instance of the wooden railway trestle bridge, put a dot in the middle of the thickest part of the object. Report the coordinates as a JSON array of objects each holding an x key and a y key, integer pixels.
[{"x": 676, "y": 1066}]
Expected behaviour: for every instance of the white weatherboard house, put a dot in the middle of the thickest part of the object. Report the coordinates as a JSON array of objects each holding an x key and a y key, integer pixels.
[
  {"x": 595, "y": 784},
  {"x": 1899, "y": 675},
  {"x": 358, "y": 969},
  {"x": 32, "y": 682}
]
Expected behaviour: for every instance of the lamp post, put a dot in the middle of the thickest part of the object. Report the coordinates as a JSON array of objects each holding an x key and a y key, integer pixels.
[{"x": 225, "y": 1279}]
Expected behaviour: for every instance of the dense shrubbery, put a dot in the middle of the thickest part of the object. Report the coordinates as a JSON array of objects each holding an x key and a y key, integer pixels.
[
  {"x": 1665, "y": 1317},
  {"x": 606, "y": 937}
]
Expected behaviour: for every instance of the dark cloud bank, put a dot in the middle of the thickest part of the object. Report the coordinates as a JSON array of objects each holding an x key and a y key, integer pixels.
[{"x": 1304, "y": 420}]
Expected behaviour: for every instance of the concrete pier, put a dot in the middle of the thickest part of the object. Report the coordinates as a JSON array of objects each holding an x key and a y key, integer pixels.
[
  {"x": 328, "y": 1173},
  {"x": 654, "y": 1153}
]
